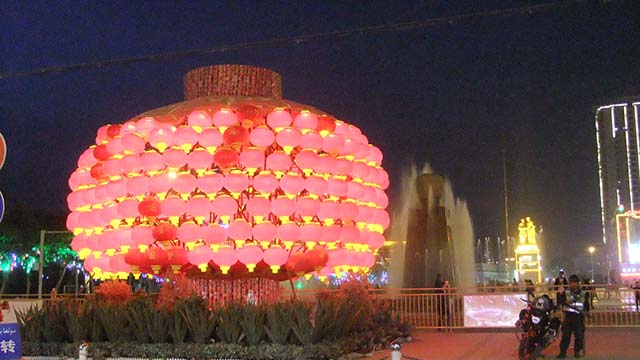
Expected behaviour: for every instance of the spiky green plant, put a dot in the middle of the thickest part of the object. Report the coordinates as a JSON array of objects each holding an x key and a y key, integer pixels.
[
  {"x": 54, "y": 321},
  {"x": 253, "y": 324},
  {"x": 115, "y": 322},
  {"x": 158, "y": 326},
  {"x": 73, "y": 316},
  {"x": 200, "y": 321},
  {"x": 31, "y": 322},
  {"x": 229, "y": 328},
  {"x": 301, "y": 324},
  {"x": 138, "y": 312},
  {"x": 278, "y": 323},
  {"x": 178, "y": 328}
]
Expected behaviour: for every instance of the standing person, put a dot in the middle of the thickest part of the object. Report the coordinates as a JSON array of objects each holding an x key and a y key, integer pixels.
[
  {"x": 531, "y": 288},
  {"x": 446, "y": 290},
  {"x": 558, "y": 285},
  {"x": 438, "y": 283},
  {"x": 574, "y": 301},
  {"x": 636, "y": 292}
]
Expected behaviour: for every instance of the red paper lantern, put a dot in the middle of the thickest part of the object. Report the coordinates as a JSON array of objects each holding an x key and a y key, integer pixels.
[
  {"x": 101, "y": 152},
  {"x": 142, "y": 237},
  {"x": 292, "y": 183},
  {"x": 156, "y": 260},
  {"x": 200, "y": 257},
  {"x": 225, "y": 158},
  {"x": 173, "y": 207},
  {"x": 305, "y": 120},
  {"x": 176, "y": 259},
  {"x": 279, "y": 162},
  {"x": 236, "y": 181},
  {"x": 164, "y": 233},
  {"x": 210, "y": 183},
  {"x": 138, "y": 185},
  {"x": 161, "y": 137},
  {"x": 185, "y": 183},
  {"x": 200, "y": 207},
  {"x": 199, "y": 119},
  {"x": 189, "y": 232},
  {"x": 239, "y": 230},
  {"x": 265, "y": 182},
  {"x": 264, "y": 232},
  {"x": 200, "y": 159},
  {"x": 210, "y": 139},
  {"x": 249, "y": 255},
  {"x": 225, "y": 258},
  {"x": 236, "y": 136},
  {"x": 224, "y": 118},
  {"x": 174, "y": 157},
  {"x": 252, "y": 159},
  {"x": 279, "y": 119},
  {"x": 152, "y": 161},
  {"x": 275, "y": 256},
  {"x": 262, "y": 136},
  {"x": 149, "y": 207},
  {"x": 214, "y": 234},
  {"x": 225, "y": 207},
  {"x": 185, "y": 137}
]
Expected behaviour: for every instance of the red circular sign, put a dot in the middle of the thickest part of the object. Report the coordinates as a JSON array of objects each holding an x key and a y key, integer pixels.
[{"x": 3, "y": 150}]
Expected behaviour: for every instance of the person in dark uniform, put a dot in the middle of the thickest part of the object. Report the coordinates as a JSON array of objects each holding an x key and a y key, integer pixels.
[
  {"x": 574, "y": 304},
  {"x": 560, "y": 282}
]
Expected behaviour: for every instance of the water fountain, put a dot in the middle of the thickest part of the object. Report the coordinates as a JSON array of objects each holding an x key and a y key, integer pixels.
[{"x": 435, "y": 227}]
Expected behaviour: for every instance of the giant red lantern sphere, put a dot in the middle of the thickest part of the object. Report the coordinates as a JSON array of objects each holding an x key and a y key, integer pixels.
[{"x": 243, "y": 176}]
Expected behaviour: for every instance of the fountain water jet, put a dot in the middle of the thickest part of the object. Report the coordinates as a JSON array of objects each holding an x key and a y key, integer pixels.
[{"x": 435, "y": 227}]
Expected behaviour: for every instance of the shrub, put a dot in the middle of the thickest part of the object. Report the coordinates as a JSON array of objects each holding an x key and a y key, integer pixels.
[{"x": 113, "y": 292}]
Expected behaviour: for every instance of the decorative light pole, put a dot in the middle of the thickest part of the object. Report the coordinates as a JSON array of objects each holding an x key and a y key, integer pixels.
[{"x": 591, "y": 251}]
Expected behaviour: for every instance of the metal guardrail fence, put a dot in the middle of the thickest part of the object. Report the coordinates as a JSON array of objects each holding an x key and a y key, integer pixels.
[{"x": 431, "y": 308}]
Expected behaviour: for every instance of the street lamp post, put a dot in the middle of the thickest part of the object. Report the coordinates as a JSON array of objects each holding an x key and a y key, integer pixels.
[
  {"x": 43, "y": 234},
  {"x": 591, "y": 251}
]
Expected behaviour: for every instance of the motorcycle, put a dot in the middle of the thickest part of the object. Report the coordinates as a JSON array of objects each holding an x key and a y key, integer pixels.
[{"x": 538, "y": 327}]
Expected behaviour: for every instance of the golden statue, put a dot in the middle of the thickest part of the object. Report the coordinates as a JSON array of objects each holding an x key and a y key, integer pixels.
[
  {"x": 522, "y": 232},
  {"x": 531, "y": 231}
]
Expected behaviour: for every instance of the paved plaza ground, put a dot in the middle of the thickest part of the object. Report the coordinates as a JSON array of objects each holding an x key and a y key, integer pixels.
[{"x": 602, "y": 343}]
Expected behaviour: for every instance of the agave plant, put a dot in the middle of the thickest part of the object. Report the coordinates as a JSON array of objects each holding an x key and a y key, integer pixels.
[
  {"x": 229, "y": 323},
  {"x": 302, "y": 324},
  {"x": 74, "y": 316},
  {"x": 31, "y": 322},
  {"x": 177, "y": 327},
  {"x": 253, "y": 324},
  {"x": 139, "y": 311},
  {"x": 198, "y": 318},
  {"x": 54, "y": 321},
  {"x": 115, "y": 322},
  {"x": 158, "y": 326},
  {"x": 278, "y": 323}
]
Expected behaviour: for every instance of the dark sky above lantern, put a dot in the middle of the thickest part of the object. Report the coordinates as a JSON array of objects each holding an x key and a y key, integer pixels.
[{"x": 444, "y": 93}]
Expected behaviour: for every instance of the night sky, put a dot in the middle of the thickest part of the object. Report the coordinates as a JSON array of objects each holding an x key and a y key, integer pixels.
[{"x": 443, "y": 94}]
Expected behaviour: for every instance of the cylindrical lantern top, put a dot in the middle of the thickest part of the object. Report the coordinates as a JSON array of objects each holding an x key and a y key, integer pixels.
[{"x": 233, "y": 80}]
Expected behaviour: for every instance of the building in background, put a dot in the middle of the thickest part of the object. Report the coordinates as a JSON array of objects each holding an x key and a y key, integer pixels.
[{"x": 618, "y": 147}]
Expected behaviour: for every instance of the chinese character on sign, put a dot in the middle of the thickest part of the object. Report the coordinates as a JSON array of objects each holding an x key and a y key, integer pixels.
[
  {"x": 10, "y": 341},
  {"x": 7, "y": 346}
]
